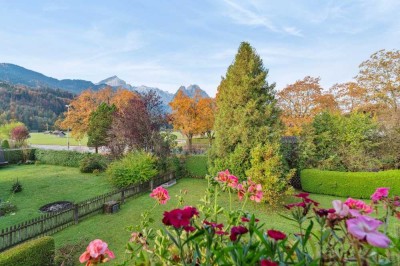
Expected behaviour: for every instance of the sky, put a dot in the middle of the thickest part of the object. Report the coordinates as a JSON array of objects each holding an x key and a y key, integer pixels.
[{"x": 167, "y": 44}]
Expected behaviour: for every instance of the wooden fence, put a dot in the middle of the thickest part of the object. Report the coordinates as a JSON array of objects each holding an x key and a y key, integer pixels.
[{"x": 51, "y": 223}]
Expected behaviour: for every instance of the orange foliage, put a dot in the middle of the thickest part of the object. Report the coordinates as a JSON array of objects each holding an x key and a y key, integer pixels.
[
  {"x": 192, "y": 115},
  {"x": 349, "y": 96},
  {"x": 301, "y": 101},
  {"x": 77, "y": 119}
]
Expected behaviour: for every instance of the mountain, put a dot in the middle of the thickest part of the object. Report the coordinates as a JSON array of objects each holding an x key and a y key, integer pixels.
[
  {"x": 191, "y": 91},
  {"x": 36, "y": 108},
  {"x": 21, "y": 76},
  {"x": 17, "y": 75},
  {"x": 114, "y": 81}
]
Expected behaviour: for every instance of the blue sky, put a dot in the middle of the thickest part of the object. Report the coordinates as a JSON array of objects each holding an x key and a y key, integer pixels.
[{"x": 166, "y": 44}]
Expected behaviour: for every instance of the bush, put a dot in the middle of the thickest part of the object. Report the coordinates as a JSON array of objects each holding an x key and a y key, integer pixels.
[
  {"x": 16, "y": 187},
  {"x": 135, "y": 167},
  {"x": 196, "y": 165},
  {"x": 63, "y": 158},
  {"x": 5, "y": 144},
  {"x": 175, "y": 165},
  {"x": 267, "y": 169},
  {"x": 7, "y": 207},
  {"x": 91, "y": 163},
  {"x": 32, "y": 253},
  {"x": 19, "y": 155},
  {"x": 349, "y": 184}
]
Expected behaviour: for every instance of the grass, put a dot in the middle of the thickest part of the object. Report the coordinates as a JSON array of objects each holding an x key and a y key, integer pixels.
[
  {"x": 44, "y": 184},
  {"x": 196, "y": 165},
  {"x": 113, "y": 228},
  {"x": 49, "y": 139}
]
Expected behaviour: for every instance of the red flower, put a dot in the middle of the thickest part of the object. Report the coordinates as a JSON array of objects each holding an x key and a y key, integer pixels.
[
  {"x": 213, "y": 225},
  {"x": 265, "y": 262},
  {"x": 276, "y": 235},
  {"x": 246, "y": 220},
  {"x": 237, "y": 231},
  {"x": 299, "y": 204},
  {"x": 220, "y": 232},
  {"x": 302, "y": 195},
  {"x": 324, "y": 212},
  {"x": 179, "y": 218},
  {"x": 189, "y": 228}
]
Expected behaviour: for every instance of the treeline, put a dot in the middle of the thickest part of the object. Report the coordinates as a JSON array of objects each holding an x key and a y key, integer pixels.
[{"x": 38, "y": 109}]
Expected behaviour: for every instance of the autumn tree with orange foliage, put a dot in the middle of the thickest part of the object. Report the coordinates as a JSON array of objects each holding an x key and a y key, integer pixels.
[
  {"x": 349, "y": 96},
  {"x": 77, "y": 119},
  {"x": 301, "y": 101},
  {"x": 207, "y": 108},
  {"x": 192, "y": 116}
]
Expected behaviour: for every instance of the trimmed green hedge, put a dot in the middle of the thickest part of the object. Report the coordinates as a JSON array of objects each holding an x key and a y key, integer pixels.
[
  {"x": 32, "y": 253},
  {"x": 349, "y": 184},
  {"x": 62, "y": 158},
  {"x": 196, "y": 165},
  {"x": 16, "y": 156}
]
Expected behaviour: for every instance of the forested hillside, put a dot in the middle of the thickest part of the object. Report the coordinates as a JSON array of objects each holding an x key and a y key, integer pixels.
[{"x": 36, "y": 108}]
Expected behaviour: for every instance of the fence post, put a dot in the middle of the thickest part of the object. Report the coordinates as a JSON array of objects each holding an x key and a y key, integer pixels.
[
  {"x": 122, "y": 196},
  {"x": 76, "y": 213}
]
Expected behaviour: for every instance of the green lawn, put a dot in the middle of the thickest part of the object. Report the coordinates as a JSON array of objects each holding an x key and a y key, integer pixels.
[
  {"x": 49, "y": 139},
  {"x": 44, "y": 184},
  {"x": 112, "y": 228}
]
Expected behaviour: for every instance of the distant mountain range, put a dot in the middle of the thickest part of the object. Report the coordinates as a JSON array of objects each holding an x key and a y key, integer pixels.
[{"x": 17, "y": 75}]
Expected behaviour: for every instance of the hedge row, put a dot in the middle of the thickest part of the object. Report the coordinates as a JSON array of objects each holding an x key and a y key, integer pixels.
[
  {"x": 16, "y": 156},
  {"x": 196, "y": 165},
  {"x": 32, "y": 253},
  {"x": 349, "y": 184},
  {"x": 62, "y": 158}
]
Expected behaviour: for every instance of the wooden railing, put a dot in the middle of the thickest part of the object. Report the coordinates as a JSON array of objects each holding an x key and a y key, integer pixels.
[{"x": 51, "y": 223}]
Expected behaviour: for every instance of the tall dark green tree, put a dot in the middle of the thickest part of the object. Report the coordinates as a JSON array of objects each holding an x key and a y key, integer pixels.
[
  {"x": 99, "y": 124},
  {"x": 247, "y": 115}
]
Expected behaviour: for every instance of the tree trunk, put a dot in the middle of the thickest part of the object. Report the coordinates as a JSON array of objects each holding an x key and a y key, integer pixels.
[
  {"x": 96, "y": 148},
  {"x": 190, "y": 141}
]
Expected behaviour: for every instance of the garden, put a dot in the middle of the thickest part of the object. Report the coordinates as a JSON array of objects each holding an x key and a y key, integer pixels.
[{"x": 272, "y": 188}]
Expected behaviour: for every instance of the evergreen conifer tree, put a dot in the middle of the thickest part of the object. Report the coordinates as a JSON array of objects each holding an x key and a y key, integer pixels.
[{"x": 247, "y": 115}]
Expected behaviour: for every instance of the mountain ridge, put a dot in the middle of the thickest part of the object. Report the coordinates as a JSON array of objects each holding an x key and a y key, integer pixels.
[{"x": 18, "y": 75}]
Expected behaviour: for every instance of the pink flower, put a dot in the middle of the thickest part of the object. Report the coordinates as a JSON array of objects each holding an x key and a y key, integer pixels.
[
  {"x": 232, "y": 181},
  {"x": 358, "y": 205},
  {"x": 241, "y": 189},
  {"x": 96, "y": 252},
  {"x": 255, "y": 191},
  {"x": 365, "y": 228},
  {"x": 276, "y": 235},
  {"x": 223, "y": 176},
  {"x": 380, "y": 193},
  {"x": 341, "y": 209},
  {"x": 160, "y": 194}
]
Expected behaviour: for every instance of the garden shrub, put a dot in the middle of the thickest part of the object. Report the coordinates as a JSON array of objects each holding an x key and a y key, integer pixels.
[
  {"x": 267, "y": 169},
  {"x": 16, "y": 187},
  {"x": 349, "y": 184},
  {"x": 32, "y": 253},
  {"x": 91, "y": 163},
  {"x": 175, "y": 165},
  {"x": 135, "y": 167},
  {"x": 7, "y": 207},
  {"x": 5, "y": 144},
  {"x": 196, "y": 165},
  {"x": 19, "y": 155},
  {"x": 62, "y": 158}
]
